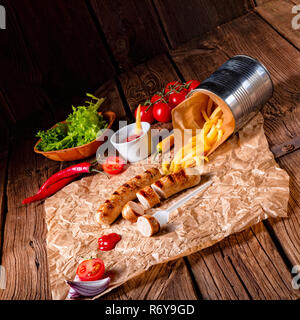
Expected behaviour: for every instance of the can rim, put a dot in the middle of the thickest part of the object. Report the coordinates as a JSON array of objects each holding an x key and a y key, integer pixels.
[{"x": 205, "y": 91}]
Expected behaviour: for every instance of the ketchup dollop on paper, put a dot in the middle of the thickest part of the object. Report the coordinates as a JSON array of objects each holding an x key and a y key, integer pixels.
[{"x": 108, "y": 242}]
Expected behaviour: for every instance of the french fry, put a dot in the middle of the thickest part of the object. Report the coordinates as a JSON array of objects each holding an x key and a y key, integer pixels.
[
  {"x": 220, "y": 135},
  {"x": 212, "y": 135},
  {"x": 219, "y": 123},
  {"x": 138, "y": 126},
  {"x": 177, "y": 167},
  {"x": 166, "y": 167},
  {"x": 215, "y": 113},
  {"x": 204, "y": 115},
  {"x": 209, "y": 107}
]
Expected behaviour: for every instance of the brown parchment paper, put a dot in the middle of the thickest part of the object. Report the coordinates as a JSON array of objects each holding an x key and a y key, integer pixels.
[{"x": 249, "y": 186}]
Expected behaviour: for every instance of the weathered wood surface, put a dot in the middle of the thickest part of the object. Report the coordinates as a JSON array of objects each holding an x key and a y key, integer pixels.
[
  {"x": 185, "y": 20},
  {"x": 279, "y": 14},
  {"x": 20, "y": 97},
  {"x": 131, "y": 29},
  {"x": 143, "y": 81},
  {"x": 281, "y": 114},
  {"x": 247, "y": 265},
  {"x": 171, "y": 280},
  {"x": 24, "y": 253}
]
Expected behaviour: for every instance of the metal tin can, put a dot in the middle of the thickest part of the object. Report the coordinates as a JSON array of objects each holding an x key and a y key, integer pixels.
[{"x": 243, "y": 83}]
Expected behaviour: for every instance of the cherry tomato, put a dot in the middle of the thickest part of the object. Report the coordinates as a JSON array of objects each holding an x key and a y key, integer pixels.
[
  {"x": 193, "y": 84},
  {"x": 155, "y": 98},
  {"x": 146, "y": 116},
  {"x": 172, "y": 85},
  {"x": 162, "y": 112},
  {"x": 113, "y": 165},
  {"x": 90, "y": 270},
  {"x": 176, "y": 97}
]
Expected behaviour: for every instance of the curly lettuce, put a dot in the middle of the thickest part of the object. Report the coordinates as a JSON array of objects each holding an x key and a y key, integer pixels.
[{"x": 83, "y": 125}]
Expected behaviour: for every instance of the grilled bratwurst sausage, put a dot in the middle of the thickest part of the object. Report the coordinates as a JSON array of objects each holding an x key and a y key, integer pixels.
[
  {"x": 109, "y": 211},
  {"x": 147, "y": 225},
  {"x": 175, "y": 182},
  {"x": 132, "y": 210},
  {"x": 148, "y": 197}
]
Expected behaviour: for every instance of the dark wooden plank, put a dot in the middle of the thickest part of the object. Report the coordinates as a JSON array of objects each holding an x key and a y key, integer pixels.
[
  {"x": 141, "y": 82},
  {"x": 184, "y": 20},
  {"x": 65, "y": 47},
  {"x": 279, "y": 14},
  {"x": 113, "y": 101},
  {"x": 20, "y": 93},
  {"x": 3, "y": 178},
  {"x": 198, "y": 59},
  {"x": 138, "y": 85},
  {"x": 131, "y": 29},
  {"x": 162, "y": 282},
  {"x": 24, "y": 254}
]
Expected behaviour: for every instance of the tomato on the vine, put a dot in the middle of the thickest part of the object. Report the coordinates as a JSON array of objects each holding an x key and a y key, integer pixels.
[
  {"x": 146, "y": 116},
  {"x": 172, "y": 85},
  {"x": 156, "y": 97},
  {"x": 192, "y": 84},
  {"x": 90, "y": 270},
  {"x": 162, "y": 112},
  {"x": 175, "y": 98}
]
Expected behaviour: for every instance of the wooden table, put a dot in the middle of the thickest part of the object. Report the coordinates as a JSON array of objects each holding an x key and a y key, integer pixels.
[{"x": 254, "y": 264}]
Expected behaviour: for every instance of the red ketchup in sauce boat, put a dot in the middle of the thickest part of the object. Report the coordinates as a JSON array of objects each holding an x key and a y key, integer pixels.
[
  {"x": 133, "y": 137},
  {"x": 108, "y": 241}
]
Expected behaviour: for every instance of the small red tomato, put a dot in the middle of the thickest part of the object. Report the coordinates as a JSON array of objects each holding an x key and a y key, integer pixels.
[
  {"x": 90, "y": 270},
  {"x": 176, "y": 97},
  {"x": 192, "y": 84},
  {"x": 156, "y": 97},
  {"x": 162, "y": 112},
  {"x": 172, "y": 85},
  {"x": 146, "y": 116},
  {"x": 113, "y": 165}
]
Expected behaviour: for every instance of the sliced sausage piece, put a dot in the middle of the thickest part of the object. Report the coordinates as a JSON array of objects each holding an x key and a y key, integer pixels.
[
  {"x": 175, "y": 182},
  {"x": 148, "y": 197},
  {"x": 109, "y": 211},
  {"x": 147, "y": 225},
  {"x": 131, "y": 211}
]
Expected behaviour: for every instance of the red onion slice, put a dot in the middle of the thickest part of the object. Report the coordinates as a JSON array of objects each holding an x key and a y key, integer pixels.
[{"x": 87, "y": 288}]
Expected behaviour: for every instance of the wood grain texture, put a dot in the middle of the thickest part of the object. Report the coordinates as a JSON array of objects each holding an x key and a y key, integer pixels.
[
  {"x": 141, "y": 82},
  {"x": 172, "y": 280},
  {"x": 24, "y": 253},
  {"x": 167, "y": 281},
  {"x": 279, "y": 14},
  {"x": 184, "y": 20},
  {"x": 3, "y": 179},
  {"x": 197, "y": 60},
  {"x": 131, "y": 29},
  {"x": 21, "y": 93},
  {"x": 113, "y": 101},
  {"x": 65, "y": 52}
]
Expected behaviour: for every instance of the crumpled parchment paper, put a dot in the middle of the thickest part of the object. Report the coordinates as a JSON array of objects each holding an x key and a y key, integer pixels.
[{"x": 249, "y": 186}]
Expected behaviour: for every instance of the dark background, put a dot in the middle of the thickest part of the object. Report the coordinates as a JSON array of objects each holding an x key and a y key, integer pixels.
[{"x": 54, "y": 51}]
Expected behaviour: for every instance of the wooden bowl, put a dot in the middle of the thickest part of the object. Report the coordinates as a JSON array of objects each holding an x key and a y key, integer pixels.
[{"x": 81, "y": 152}]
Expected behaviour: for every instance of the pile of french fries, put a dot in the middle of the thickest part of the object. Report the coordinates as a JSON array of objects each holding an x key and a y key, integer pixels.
[{"x": 194, "y": 152}]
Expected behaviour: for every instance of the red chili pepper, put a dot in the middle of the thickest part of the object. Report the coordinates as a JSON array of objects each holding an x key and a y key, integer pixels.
[
  {"x": 50, "y": 190},
  {"x": 84, "y": 167}
]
